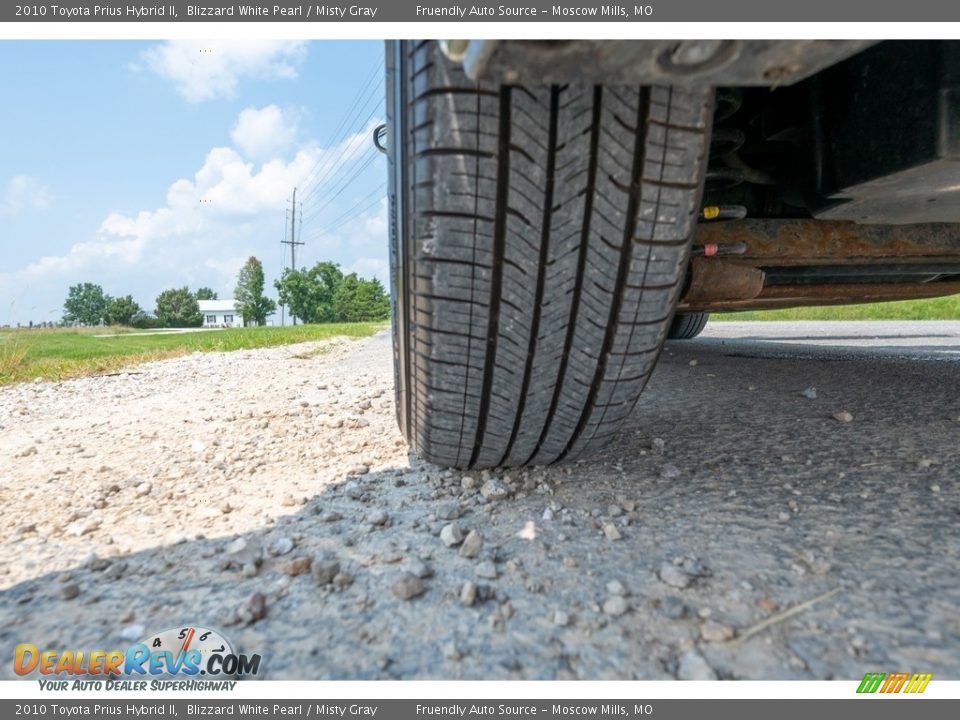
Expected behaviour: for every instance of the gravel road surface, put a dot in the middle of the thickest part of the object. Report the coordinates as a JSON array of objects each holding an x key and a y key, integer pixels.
[{"x": 784, "y": 503}]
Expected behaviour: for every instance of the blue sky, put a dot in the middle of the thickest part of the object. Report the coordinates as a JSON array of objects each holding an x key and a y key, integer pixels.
[{"x": 146, "y": 165}]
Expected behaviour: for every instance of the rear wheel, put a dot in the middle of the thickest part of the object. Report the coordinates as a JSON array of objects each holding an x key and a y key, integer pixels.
[
  {"x": 539, "y": 240},
  {"x": 686, "y": 326}
]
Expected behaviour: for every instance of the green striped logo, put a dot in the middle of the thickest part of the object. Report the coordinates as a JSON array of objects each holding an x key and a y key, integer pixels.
[
  {"x": 887, "y": 683},
  {"x": 871, "y": 682}
]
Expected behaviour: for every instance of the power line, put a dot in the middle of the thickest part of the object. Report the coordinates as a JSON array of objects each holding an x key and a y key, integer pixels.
[
  {"x": 325, "y": 164},
  {"x": 335, "y": 165},
  {"x": 340, "y": 171},
  {"x": 336, "y": 192},
  {"x": 355, "y": 216},
  {"x": 348, "y": 120},
  {"x": 353, "y": 213},
  {"x": 343, "y": 121},
  {"x": 357, "y": 153}
]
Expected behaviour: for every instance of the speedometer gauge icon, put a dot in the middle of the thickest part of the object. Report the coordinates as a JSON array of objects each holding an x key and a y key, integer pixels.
[{"x": 190, "y": 646}]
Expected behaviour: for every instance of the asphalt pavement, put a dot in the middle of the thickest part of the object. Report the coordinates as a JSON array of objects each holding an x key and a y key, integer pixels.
[{"x": 784, "y": 503}]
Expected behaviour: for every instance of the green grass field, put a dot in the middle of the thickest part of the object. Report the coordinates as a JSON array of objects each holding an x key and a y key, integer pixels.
[
  {"x": 58, "y": 354},
  {"x": 945, "y": 308}
]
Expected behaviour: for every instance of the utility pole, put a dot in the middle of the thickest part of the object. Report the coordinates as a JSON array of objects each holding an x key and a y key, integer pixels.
[{"x": 293, "y": 242}]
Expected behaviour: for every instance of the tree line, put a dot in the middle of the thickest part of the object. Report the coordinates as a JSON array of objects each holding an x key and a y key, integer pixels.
[
  {"x": 324, "y": 294},
  {"x": 316, "y": 295}
]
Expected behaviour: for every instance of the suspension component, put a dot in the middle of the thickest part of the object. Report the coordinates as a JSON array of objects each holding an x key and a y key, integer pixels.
[
  {"x": 723, "y": 172},
  {"x": 723, "y": 212},
  {"x": 715, "y": 250},
  {"x": 771, "y": 263}
]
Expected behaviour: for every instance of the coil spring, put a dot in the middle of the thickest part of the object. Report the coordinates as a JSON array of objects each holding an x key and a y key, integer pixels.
[{"x": 724, "y": 143}]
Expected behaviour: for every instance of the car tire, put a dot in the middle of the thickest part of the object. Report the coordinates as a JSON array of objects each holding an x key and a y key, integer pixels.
[
  {"x": 539, "y": 237},
  {"x": 686, "y": 326}
]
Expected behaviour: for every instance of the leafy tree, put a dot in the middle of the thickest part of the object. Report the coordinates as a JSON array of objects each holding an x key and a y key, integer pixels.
[
  {"x": 86, "y": 303},
  {"x": 371, "y": 301},
  {"x": 205, "y": 293},
  {"x": 252, "y": 304},
  {"x": 178, "y": 307},
  {"x": 310, "y": 294},
  {"x": 324, "y": 294},
  {"x": 345, "y": 298},
  {"x": 122, "y": 310},
  {"x": 359, "y": 300},
  {"x": 143, "y": 321}
]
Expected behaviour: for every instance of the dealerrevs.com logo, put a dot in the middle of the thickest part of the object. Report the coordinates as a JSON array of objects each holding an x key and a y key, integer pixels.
[{"x": 184, "y": 658}]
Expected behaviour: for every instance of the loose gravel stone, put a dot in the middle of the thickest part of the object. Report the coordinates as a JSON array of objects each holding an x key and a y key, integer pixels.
[
  {"x": 472, "y": 545},
  {"x": 281, "y": 546},
  {"x": 254, "y": 609},
  {"x": 377, "y": 517},
  {"x": 69, "y": 591},
  {"x": 809, "y": 393},
  {"x": 452, "y": 534},
  {"x": 418, "y": 567},
  {"x": 713, "y": 631},
  {"x": 449, "y": 511},
  {"x": 468, "y": 593},
  {"x": 324, "y": 568},
  {"x": 615, "y": 606},
  {"x": 343, "y": 580},
  {"x": 674, "y": 576},
  {"x": 115, "y": 570},
  {"x": 408, "y": 587},
  {"x": 297, "y": 566},
  {"x": 610, "y": 530},
  {"x": 493, "y": 489},
  {"x": 615, "y": 587},
  {"x": 843, "y": 416}
]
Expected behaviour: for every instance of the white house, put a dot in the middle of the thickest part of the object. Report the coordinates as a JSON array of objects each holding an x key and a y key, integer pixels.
[{"x": 220, "y": 313}]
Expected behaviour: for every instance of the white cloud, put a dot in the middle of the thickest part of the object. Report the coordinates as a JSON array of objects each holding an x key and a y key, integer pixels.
[
  {"x": 366, "y": 237},
  {"x": 207, "y": 227},
  {"x": 371, "y": 267},
  {"x": 264, "y": 133},
  {"x": 207, "y": 70},
  {"x": 226, "y": 191},
  {"x": 23, "y": 192},
  {"x": 227, "y": 268}
]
